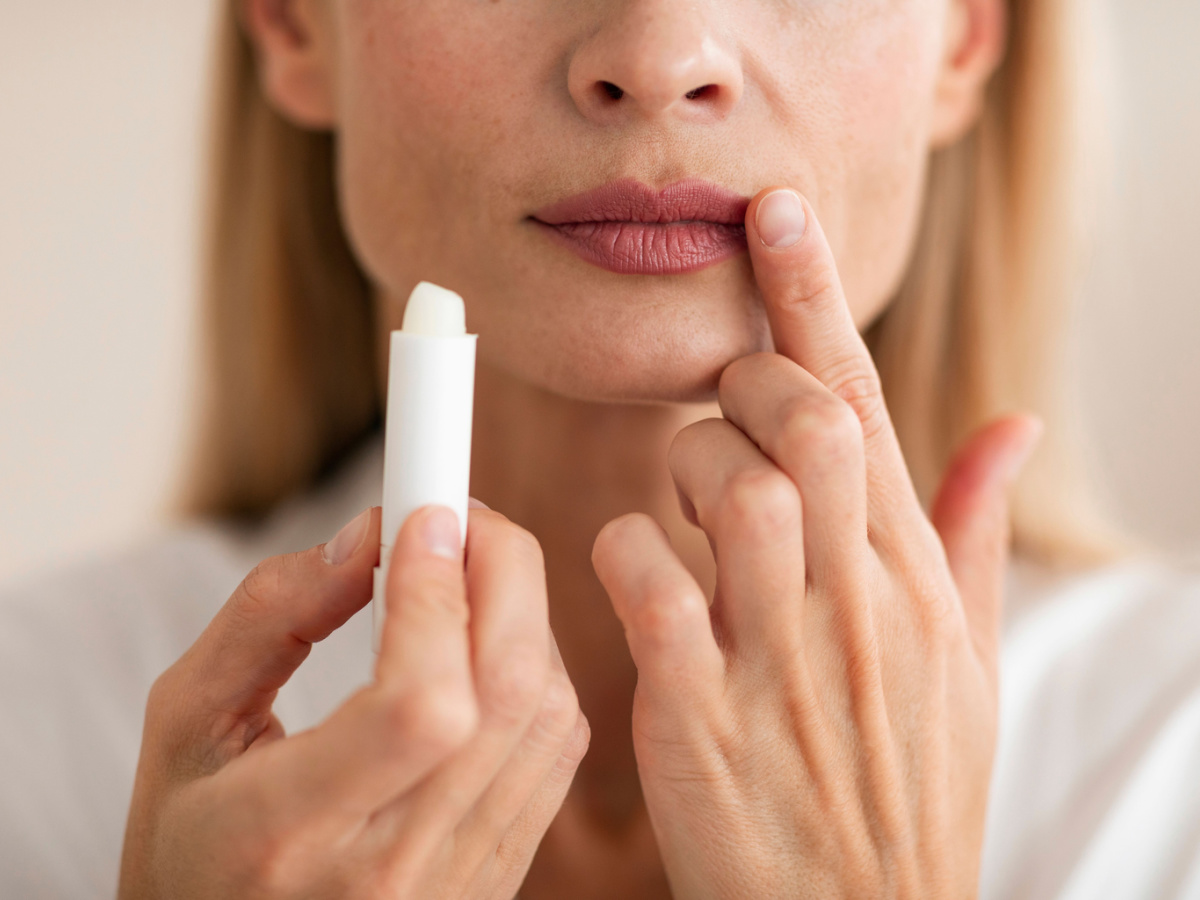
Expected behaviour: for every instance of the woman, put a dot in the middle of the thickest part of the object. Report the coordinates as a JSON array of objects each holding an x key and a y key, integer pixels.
[{"x": 775, "y": 547}]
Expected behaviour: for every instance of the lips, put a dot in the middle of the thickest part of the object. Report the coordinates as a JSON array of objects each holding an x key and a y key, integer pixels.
[{"x": 629, "y": 228}]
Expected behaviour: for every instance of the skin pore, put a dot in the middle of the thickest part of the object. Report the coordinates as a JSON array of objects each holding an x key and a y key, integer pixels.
[{"x": 457, "y": 119}]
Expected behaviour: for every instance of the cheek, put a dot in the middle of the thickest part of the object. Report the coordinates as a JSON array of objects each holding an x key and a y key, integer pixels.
[
  {"x": 883, "y": 105},
  {"x": 420, "y": 123}
]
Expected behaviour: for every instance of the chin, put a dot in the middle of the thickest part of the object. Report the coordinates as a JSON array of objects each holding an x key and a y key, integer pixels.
[
  {"x": 650, "y": 362},
  {"x": 575, "y": 331}
]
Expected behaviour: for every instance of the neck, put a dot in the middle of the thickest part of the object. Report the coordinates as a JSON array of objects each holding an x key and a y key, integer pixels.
[{"x": 562, "y": 468}]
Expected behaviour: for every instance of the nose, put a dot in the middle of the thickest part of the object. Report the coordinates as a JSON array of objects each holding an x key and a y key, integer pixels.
[{"x": 655, "y": 58}]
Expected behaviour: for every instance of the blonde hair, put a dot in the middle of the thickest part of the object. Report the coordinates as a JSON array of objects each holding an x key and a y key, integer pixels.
[{"x": 979, "y": 327}]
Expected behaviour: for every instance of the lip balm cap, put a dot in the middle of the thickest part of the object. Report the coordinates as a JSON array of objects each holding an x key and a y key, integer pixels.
[{"x": 434, "y": 311}]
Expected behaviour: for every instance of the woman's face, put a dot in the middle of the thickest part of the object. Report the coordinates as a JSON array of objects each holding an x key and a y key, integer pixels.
[{"x": 458, "y": 120}]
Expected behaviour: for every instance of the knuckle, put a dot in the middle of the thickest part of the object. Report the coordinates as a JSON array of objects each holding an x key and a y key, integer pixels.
[
  {"x": 162, "y": 703},
  {"x": 863, "y": 392},
  {"x": 259, "y": 589},
  {"x": 261, "y": 851},
  {"x": 820, "y": 286},
  {"x": 162, "y": 692},
  {"x": 760, "y": 498},
  {"x": 556, "y": 719},
  {"x": 665, "y": 611},
  {"x": 934, "y": 609},
  {"x": 824, "y": 431},
  {"x": 396, "y": 875},
  {"x": 439, "y": 718},
  {"x": 444, "y": 719},
  {"x": 436, "y": 595},
  {"x": 560, "y": 706},
  {"x": 271, "y": 861},
  {"x": 936, "y": 617},
  {"x": 515, "y": 689},
  {"x": 578, "y": 742}
]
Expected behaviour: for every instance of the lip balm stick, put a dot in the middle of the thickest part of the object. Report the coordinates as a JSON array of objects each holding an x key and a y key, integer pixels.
[{"x": 427, "y": 441}]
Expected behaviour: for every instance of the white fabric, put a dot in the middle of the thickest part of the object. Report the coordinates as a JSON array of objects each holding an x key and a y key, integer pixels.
[{"x": 1096, "y": 791}]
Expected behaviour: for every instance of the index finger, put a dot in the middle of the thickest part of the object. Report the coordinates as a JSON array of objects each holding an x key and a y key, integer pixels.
[
  {"x": 813, "y": 326},
  {"x": 265, "y": 631}
]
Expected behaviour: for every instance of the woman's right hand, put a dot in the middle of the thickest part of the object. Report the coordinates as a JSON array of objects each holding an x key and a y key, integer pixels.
[{"x": 436, "y": 780}]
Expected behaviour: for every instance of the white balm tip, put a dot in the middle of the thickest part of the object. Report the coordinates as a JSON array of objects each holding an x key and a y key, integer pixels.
[{"x": 434, "y": 311}]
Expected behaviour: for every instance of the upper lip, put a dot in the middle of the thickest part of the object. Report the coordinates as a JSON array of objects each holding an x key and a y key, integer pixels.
[{"x": 629, "y": 200}]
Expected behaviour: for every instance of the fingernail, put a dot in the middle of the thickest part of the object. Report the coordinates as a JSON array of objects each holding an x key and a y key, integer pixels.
[
  {"x": 780, "y": 219},
  {"x": 440, "y": 532},
  {"x": 346, "y": 541},
  {"x": 476, "y": 504}
]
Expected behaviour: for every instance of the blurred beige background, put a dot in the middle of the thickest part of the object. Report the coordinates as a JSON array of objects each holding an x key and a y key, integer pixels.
[{"x": 100, "y": 138}]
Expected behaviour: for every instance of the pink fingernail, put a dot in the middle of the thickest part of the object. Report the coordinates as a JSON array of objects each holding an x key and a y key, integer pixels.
[
  {"x": 346, "y": 541},
  {"x": 440, "y": 532},
  {"x": 780, "y": 219}
]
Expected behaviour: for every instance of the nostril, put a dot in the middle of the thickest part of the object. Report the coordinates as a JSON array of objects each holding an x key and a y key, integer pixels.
[
  {"x": 612, "y": 90},
  {"x": 616, "y": 92}
]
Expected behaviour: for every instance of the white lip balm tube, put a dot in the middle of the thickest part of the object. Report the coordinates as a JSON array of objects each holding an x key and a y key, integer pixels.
[{"x": 427, "y": 439}]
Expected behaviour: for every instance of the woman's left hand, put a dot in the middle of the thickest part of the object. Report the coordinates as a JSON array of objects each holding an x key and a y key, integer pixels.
[{"x": 827, "y": 729}]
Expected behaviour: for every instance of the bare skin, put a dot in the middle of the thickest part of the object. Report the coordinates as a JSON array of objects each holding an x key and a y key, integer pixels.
[
  {"x": 601, "y": 844},
  {"x": 788, "y": 668}
]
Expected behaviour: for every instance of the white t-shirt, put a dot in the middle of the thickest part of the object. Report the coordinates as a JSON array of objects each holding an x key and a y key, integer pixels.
[{"x": 1096, "y": 791}]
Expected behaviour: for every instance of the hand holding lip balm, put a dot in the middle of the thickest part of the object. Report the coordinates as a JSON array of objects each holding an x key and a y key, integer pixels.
[
  {"x": 427, "y": 441},
  {"x": 438, "y": 778}
]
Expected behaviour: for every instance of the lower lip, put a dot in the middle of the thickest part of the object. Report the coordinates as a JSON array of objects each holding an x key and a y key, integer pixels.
[{"x": 641, "y": 248}]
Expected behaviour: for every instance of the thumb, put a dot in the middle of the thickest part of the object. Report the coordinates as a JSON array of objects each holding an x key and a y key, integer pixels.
[{"x": 971, "y": 514}]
